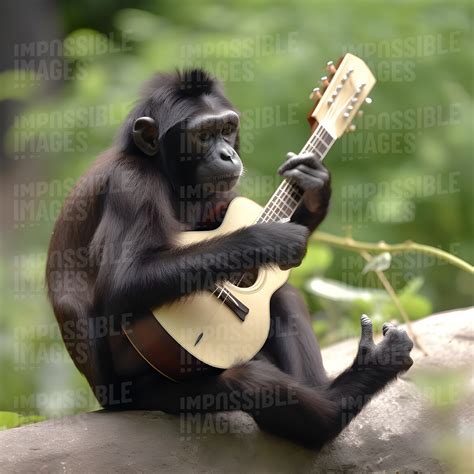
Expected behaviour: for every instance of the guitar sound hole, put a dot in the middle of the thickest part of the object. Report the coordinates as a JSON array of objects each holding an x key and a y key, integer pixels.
[{"x": 247, "y": 279}]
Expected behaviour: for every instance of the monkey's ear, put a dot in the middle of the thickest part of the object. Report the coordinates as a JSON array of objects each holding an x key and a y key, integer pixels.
[{"x": 145, "y": 135}]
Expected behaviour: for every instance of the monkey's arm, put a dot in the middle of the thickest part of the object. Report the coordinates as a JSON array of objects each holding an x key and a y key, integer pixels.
[{"x": 142, "y": 278}]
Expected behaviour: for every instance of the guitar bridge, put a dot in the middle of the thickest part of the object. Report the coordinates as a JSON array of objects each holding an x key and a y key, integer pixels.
[{"x": 235, "y": 305}]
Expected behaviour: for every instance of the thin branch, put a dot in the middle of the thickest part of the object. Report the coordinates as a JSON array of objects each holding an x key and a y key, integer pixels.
[
  {"x": 396, "y": 300},
  {"x": 350, "y": 244}
]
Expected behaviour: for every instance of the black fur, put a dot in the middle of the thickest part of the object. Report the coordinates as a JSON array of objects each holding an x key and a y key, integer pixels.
[{"x": 112, "y": 253}]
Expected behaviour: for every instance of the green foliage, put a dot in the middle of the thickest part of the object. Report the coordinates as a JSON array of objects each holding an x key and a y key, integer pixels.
[
  {"x": 9, "y": 419},
  {"x": 317, "y": 260},
  {"x": 270, "y": 55},
  {"x": 446, "y": 391},
  {"x": 343, "y": 305}
]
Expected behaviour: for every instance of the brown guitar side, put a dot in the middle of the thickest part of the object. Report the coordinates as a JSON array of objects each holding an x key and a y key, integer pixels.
[
  {"x": 199, "y": 335},
  {"x": 162, "y": 352}
]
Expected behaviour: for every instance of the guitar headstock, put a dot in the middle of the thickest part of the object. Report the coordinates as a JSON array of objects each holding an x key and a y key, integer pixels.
[{"x": 342, "y": 93}]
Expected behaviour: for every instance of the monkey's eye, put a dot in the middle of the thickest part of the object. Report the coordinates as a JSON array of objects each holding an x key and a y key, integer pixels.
[
  {"x": 205, "y": 136},
  {"x": 227, "y": 130}
]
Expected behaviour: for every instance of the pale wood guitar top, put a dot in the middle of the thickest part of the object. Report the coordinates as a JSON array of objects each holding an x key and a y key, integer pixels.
[{"x": 208, "y": 329}]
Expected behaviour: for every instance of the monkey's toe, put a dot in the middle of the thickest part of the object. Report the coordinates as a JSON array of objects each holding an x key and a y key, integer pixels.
[
  {"x": 367, "y": 336},
  {"x": 386, "y": 327}
]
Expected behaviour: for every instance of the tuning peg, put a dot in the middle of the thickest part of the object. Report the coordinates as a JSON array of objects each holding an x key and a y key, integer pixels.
[
  {"x": 351, "y": 128},
  {"x": 330, "y": 67},
  {"x": 360, "y": 113},
  {"x": 348, "y": 111},
  {"x": 368, "y": 100},
  {"x": 359, "y": 89},
  {"x": 325, "y": 81},
  {"x": 315, "y": 94},
  {"x": 346, "y": 75}
]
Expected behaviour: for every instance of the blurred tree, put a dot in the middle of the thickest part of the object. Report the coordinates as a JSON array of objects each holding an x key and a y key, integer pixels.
[{"x": 406, "y": 174}]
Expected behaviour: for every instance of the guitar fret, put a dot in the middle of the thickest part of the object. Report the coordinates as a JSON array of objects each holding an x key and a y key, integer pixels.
[
  {"x": 275, "y": 209},
  {"x": 282, "y": 205},
  {"x": 280, "y": 202},
  {"x": 280, "y": 199},
  {"x": 279, "y": 208}
]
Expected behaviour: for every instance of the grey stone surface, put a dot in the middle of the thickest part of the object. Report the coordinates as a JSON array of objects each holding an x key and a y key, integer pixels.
[{"x": 397, "y": 431}]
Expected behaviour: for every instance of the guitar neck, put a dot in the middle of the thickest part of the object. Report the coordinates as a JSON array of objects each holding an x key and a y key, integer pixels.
[{"x": 288, "y": 195}]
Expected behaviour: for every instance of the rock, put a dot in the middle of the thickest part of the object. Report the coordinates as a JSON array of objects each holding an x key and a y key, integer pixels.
[{"x": 399, "y": 430}]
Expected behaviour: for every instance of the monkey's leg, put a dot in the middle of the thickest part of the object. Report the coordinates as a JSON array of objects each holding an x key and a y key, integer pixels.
[
  {"x": 278, "y": 403},
  {"x": 292, "y": 344}
]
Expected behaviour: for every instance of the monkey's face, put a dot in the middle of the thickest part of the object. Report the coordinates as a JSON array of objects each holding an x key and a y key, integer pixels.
[{"x": 201, "y": 151}]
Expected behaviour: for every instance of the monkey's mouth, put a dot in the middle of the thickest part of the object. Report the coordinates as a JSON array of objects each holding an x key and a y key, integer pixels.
[
  {"x": 221, "y": 183},
  {"x": 225, "y": 177}
]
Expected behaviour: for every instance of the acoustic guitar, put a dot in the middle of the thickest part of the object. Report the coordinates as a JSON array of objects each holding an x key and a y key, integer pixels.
[{"x": 213, "y": 330}]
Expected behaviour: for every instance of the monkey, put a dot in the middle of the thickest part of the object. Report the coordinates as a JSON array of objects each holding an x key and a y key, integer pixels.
[{"x": 180, "y": 144}]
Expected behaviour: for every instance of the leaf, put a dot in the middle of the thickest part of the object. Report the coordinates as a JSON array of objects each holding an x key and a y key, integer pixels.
[
  {"x": 379, "y": 263},
  {"x": 338, "y": 291},
  {"x": 318, "y": 258},
  {"x": 413, "y": 286}
]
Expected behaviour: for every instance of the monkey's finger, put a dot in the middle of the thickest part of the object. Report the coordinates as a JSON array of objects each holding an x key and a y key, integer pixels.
[
  {"x": 312, "y": 155},
  {"x": 304, "y": 180},
  {"x": 315, "y": 173},
  {"x": 318, "y": 164},
  {"x": 366, "y": 329},
  {"x": 290, "y": 154},
  {"x": 296, "y": 160},
  {"x": 307, "y": 178}
]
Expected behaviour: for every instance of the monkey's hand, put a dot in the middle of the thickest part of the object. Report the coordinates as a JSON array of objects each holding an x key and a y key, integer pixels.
[
  {"x": 309, "y": 173},
  {"x": 281, "y": 243}
]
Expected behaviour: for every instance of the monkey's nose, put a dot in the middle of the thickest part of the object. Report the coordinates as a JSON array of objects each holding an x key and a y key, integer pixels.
[{"x": 226, "y": 156}]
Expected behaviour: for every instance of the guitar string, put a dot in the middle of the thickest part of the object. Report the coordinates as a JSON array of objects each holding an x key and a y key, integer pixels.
[
  {"x": 221, "y": 288},
  {"x": 278, "y": 196},
  {"x": 290, "y": 190},
  {"x": 283, "y": 188},
  {"x": 324, "y": 138},
  {"x": 309, "y": 145},
  {"x": 294, "y": 193},
  {"x": 318, "y": 138}
]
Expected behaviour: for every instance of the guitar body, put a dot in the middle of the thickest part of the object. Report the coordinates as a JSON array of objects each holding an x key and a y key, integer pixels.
[{"x": 201, "y": 324}]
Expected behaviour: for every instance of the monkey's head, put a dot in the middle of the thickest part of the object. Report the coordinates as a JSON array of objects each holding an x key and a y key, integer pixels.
[{"x": 187, "y": 126}]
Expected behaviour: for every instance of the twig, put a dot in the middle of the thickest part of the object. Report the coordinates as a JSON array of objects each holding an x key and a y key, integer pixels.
[
  {"x": 350, "y": 244},
  {"x": 393, "y": 295}
]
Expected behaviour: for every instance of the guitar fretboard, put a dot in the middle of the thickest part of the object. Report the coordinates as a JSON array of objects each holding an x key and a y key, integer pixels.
[{"x": 287, "y": 197}]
